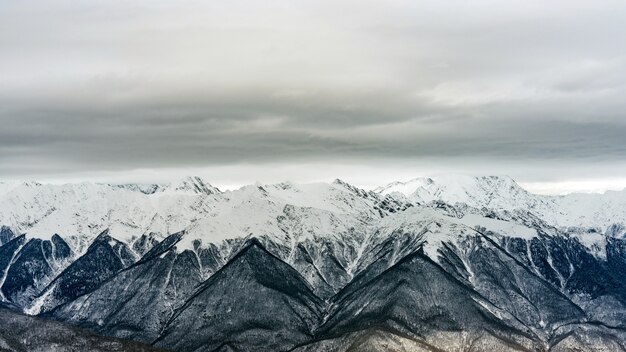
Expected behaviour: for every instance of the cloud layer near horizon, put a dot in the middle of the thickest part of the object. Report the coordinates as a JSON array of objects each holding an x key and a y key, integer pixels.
[{"x": 534, "y": 89}]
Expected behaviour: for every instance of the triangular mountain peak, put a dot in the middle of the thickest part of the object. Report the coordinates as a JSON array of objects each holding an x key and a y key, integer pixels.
[
  {"x": 416, "y": 297},
  {"x": 192, "y": 184},
  {"x": 266, "y": 303},
  {"x": 354, "y": 189},
  {"x": 103, "y": 236}
]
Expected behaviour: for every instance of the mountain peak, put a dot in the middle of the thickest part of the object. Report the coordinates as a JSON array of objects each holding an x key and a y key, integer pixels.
[
  {"x": 257, "y": 290},
  {"x": 475, "y": 191},
  {"x": 340, "y": 182},
  {"x": 252, "y": 242},
  {"x": 253, "y": 251},
  {"x": 103, "y": 235},
  {"x": 192, "y": 184},
  {"x": 349, "y": 187},
  {"x": 189, "y": 184}
]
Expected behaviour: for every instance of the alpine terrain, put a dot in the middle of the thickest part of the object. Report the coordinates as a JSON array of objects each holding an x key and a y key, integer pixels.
[{"x": 452, "y": 263}]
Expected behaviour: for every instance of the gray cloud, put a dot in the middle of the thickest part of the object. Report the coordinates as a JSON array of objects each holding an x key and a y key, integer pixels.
[{"x": 102, "y": 87}]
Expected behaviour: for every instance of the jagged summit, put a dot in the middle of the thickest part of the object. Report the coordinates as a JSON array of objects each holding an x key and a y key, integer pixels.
[
  {"x": 450, "y": 185},
  {"x": 347, "y": 185},
  {"x": 264, "y": 266},
  {"x": 290, "y": 212},
  {"x": 191, "y": 184},
  {"x": 185, "y": 185},
  {"x": 339, "y": 181},
  {"x": 149, "y": 188},
  {"x": 500, "y": 192}
]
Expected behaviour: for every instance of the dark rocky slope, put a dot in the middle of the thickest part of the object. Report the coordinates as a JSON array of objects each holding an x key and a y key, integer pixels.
[
  {"x": 21, "y": 333},
  {"x": 256, "y": 302}
]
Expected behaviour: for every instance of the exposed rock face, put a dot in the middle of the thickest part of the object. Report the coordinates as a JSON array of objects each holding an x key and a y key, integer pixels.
[
  {"x": 417, "y": 299},
  {"x": 103, "y": 259},
  {"x": 255, "y": 302},
  {"x": 139, "y": 300},
  {"x": 24, "y": 333},
  {"x": 474, "y": 264},
  {"x": 6, "y": 234},
  {"x": 30, "y": 269}
]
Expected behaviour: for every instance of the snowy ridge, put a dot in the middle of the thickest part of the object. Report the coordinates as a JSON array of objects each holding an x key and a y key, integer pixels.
[
  {"x": 190, "y": 185},
  {"x": 139, "y": 253},
  {"x": 435, "y": 227},
  {"x": 601, "y": 211},
  {"x": 79, "y": 212},
  {"x": 486, "y": 191},
  {"x": 291, "y": 213}
]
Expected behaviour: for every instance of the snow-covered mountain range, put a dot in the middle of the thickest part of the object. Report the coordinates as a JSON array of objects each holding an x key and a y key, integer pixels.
[
  {"x": 432, "y": 263},
  {"x": 503, "y": 193}
]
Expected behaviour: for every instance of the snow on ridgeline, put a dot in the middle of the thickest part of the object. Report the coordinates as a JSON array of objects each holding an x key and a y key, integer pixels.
[
  {"x": 286, "y": 211},
  {"x": 501, "y": 193},
  {"x": 605, "y": 212},
  {"x": 191, "y": 184},
  {"x": 80, "y": 211}
]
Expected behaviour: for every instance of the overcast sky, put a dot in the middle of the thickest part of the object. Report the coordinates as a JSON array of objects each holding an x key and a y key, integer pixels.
[{"x": 368, "y": 91}]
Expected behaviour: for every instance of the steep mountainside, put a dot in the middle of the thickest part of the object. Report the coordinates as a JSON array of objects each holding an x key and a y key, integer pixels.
[
  {"x": 139, "y": 300},
  {"x": 441, "y": 263},
  {"x": 103, "y": 259},
  {"x": 79, "y": 212},
  {"x": 255, "y": 302},
  {"x": 606, "y": 212},
  {"x": 20, "y": 333},
  {"x": 417, "y": 299},
  {"x": 32, "y": 266}
]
